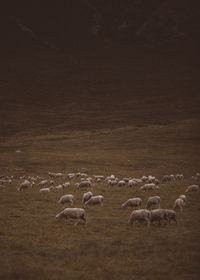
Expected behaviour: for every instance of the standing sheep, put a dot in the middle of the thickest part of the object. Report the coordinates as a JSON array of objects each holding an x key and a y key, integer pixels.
[
  {"x": 121, "y": 183},
  {"x": 153, "y": 200},
  {"x": 192, "y": 188},
  {"x": 179, "y": 203},
  {"x": 147, "y": 187},
  {"x": 86, "y": 197},
  {"x": 158, "y": 215},
  {"x": 95, "y": 200},
  {"x": 25, "y": 185},
  {"x": 133, "y": 202},
  {"x": 66, "y": 198},
  {"x": 44, "y": 190},
  {"x": 170, "y": 215},
  {"x": 83, "y": 184},
  {"x": 183, "y": 197},
  {"x": 43, "y": 183},
  {"x": 72, "y": 213},
  {"x": 140, "y": 216}
]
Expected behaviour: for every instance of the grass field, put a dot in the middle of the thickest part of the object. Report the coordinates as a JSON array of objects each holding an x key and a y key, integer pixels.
[{"x": 129, "y": 114}]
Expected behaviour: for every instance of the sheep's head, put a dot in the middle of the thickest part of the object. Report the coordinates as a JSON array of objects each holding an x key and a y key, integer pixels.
[{"x": 57, "y": 217}]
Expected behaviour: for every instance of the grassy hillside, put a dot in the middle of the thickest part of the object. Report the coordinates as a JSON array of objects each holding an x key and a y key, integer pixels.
[{"x": 107, "y": 109}]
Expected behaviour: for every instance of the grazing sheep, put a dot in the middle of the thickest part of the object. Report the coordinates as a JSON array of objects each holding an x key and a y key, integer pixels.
[
  {"x": 121, "y": 183},
  {"x": 43, "y": 183},
  {"x": 151, "y": 186},
  {"x": 59, "y": 187},
  {"x": 66, "y": 185},
  {"x": 153, "y": 200},
  {"x": 183, "y": 197},
  {"x": 98, "y": 178},
  {"x": 133, "y": 202},
  {"x": 140, "y": 216},
  {"x": 179, "y": 203},
  {"x": 72, "y": 213},
  {"x": 95, "y": 200},
  {"x": 179, "y": 177},
  {"x": 25, "y": 185},
  {"x": 83, "y": 184},
  {"x": 158, "y": 215},
  {"x": 144, "y": 178},
  {"x": 86, "y": 196},
  {"x": 132, "y": 183},
  {"x": 170, "y": 215},
  {"x": 66, "y": 198},
  {"x": 112, "y": 182},
  {"x": 71, "y": 176},
  {"x": 165, "y": 178},
  {"x": 55, "y": 175},
  {"x": 192, "y": 188},
  {"x": 44, "y": 190}
]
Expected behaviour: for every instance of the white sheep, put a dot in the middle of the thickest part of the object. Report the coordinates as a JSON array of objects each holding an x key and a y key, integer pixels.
[
  {"x": 55, "y": 175},
  {"x": 25, "y": 185},
  {"x": 140, "y": 216},
  {"x": 59, "y": 187},
  {"x": 133, "y": 202},
  {"x": 83, "y": 184},
  {"x": 170, "y": 215},
  {"x": 72, "y": 213},
  {"x": 112, "y": 182},
  {"x": 183, "y": 197},
  {"x": 158, "y": 215},
  {"x": 95, "y": 200},
  {"x": 44, "y": 190},
  {"x": 121, "y": 183},
  {"x": 66, "y": 185},
  {"x": 86, "y": 196},
  {"x": 153, "y": 200},
  {"x": 66, "y": 198},
  {"x": 132, "y": 183},
  {"x": 192, "y": 188},
  {"x": 151, "y": 186},
  {"x": 179, "y": 203},
  {"x": 43, "y": 183}
]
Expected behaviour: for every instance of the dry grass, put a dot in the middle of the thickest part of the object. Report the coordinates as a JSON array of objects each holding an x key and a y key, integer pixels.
[
  {"x": 34, "y": 246},
  {"x": 127, "y": 113}
]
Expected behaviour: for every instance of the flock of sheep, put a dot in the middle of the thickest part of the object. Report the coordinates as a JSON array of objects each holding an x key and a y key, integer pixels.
[{"x": 139, "y": 215}]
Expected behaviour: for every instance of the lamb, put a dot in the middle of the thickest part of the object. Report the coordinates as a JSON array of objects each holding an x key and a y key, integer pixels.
[
  {"x": 44, "y": 190},
  {"x": 151, "y": 186},
  {"x": 170, "y": 215},
  {"x": 179, "y": 203},
  {"x": 158, "y": 215},
  {"x": 25, "y": 185},
  {"x": 153, "y": 200},
  {"x": 95, "y": 200},
  {"x": 192, "y": 188},
  {"x": 86, "y": 196},
  {"x": 133, "y": 202},
  {"x": 140, "y": 216},
  {"x": 72, "y": 213},
  {"x": 66, "y": 198}
]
